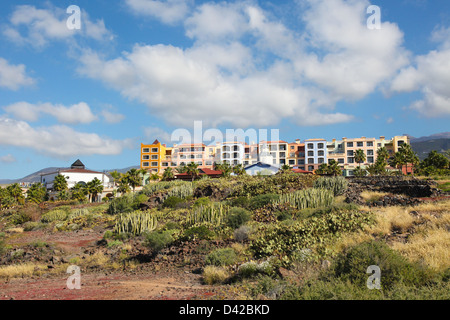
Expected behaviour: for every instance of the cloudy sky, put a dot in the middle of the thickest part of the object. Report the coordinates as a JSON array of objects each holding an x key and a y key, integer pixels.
[{"x": 136, "y": 70}]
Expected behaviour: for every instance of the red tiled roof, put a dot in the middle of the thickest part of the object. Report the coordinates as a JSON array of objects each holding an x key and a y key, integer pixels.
[
  {"x": 301, "y": 171},
  {"x": 80, "y": 171}
]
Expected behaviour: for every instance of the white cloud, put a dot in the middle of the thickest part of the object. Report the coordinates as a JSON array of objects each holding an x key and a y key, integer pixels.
[
  {"x": 59, "y": 141},
  {"x": 217, "y": 21},
  {"x": 169, "y": 12},
  {"x": 75, "y": 114},
  {"x": 13, "y": 76},
  {"x": 157, "y": 133},
  {"x": 111, "y": 117},
  {"x": 30, "y": 25},
  {"x": 252, "y": 70},
  {"x": 352, "y": 60},
  {"x": 430, "y": 74},
  {"x": 9, "y": 158}
]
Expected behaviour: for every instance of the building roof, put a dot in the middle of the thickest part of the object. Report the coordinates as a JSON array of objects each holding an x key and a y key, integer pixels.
[
  {"x": 301, "y": 171},
  {"x": 77, "y": 164},
  {"x": 155, "y": 142},
  {"x": 272, "y": 142},
  {"x": 79, "y": 170},
  {"x": 262, "y": 165}
]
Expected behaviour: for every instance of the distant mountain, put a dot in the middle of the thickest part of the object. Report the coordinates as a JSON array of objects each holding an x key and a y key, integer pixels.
[
  {"x": 424, "y": 145},
  {"x": 36, "y": 176},
  {"x": 442, "y": 135}
]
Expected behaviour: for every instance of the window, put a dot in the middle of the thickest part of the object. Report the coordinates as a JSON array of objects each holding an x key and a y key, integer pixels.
[
  {"x": 146, "y": 150},
  {"x": 350, "y": 153},
  {"x": 350, "y": 160},
  {"x": 282, "y": 147},
  {"x": 310, "y": 161},
  {"x": 321, "y": 153},
  {"x": 311, "y": 168},
  {"x": 370, "y": 152},
  {"x": 370, "y": 160},
  {"x": 379, "y": 145},
  {"x": 341, "y": 160},
  {"x": 310, "y": 146},
  {"x": 349, "y": 144},
  {"x": 321, "y": 160},
  {"x": 146, "y": 157},
  {"x": 310, "y": 153},
  {"x": 154, "y": 164},
  {"x": 400, "y": 143},
  {"x": 154, "y": 150},
  {"x": 370, "y": 143},
  {"x": 291, "y": 162},
  {"x": 165, "y": 164},
  {"x": 320, "y": 146},
  {"x": 155, "y": 157},
  {"x": 282, "y": 154},
  {"x": 145, "y": 164},
  {"x": 301, "y": 162},
  {"x": 360, "y": 144}
]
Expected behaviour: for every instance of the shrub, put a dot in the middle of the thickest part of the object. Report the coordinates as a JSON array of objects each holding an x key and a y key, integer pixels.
[
  {"x": 158, "y": 240},
  {"x": 262, "y": 200},
  {"x": 221, "y": 257},
  {"x": 213, "y": 275},
  {"x": 198, "y": 233},
  {"x": 54, "y": 215},
  {"x": 203, "y": 201},
  {"x": 253, "y": 268},
  {"x": 242, "y": 233},
  {"x": 395, "y": 269},
  {"x": 172, "y": 202},
  {"x": 122, "y": 204},
  {"x": 19, "y": 218},
  {"x": 108, "y": 234},
  {"x": 237, "y": 217},
  {"x": 2, "y": 244}
]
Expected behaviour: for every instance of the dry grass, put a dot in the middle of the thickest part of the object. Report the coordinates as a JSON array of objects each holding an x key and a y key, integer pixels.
[
  {"x": 20, "y": 270},
  {"x": 214, "y": 275},
  {"x": 391, "y": 219},
  {"x": 371, "y": 196},
  {"x": 431, "y": 248}
]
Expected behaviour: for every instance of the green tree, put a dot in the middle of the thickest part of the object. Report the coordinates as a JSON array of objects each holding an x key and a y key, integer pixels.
[
  {"x": 192, "y": 170},
  {"x": 333, "y": 168},
  {"x": 323, "y": 169},
  {"x": 225, "y": 168},
  {"x": 398, "y": 161},
  {"x": 124, "y": 186},
  {"x": 93, "y": 188},
  {"x": 116, "y": 177},
  {"x": 182, "y": 168},
  {"x": 37, "y": 193},
  {"x": 360, "y": 157},
  {"x": 408, "y": 156},
  {"x": 79, "y": 192},
  {"x": 16, "y": 192},
  {"x": 285, "y": 168},
  {"x": 134, "y": 178},
  {"x": 168, "y": 174},
  {"x": 239, "y": 170},
  {"x": 60, "y": 183},
  {"x": 383, "y": 155},
  {"x": 435, "y": 160}
]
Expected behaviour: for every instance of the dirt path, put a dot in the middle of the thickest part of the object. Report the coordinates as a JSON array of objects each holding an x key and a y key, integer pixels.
[{"x": 115, "y": 286}]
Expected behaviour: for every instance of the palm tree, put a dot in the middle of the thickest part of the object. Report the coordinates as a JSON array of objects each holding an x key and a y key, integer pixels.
[
  {"x": 239, "y": 169},
  {"x": 134, "y": 178},
  {"x": 408, "y": 155},
  {"x": 15, "y": 191},
  {"x": 285, "y": 168},
  {"x": 94, "y": 187},
  {"x": 360, "y": 157},
  {"x": 323, "y": 169},
  {"x": 225, "y": 168},
  {"x": 79, "y": 192},
  {"x": 383, "y": 154},
  {"x": 168, "y": 174},
  {"x": 60, "y": 183},
  {"x": 333, "y": 168},
  {"x": 398, "y": 161},
  {"x": 192, "y": 170}
]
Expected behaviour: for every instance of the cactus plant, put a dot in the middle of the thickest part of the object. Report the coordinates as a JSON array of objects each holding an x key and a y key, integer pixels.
[
  {"x": 213, "y": 214},
  {"x": 308, "y": 198},
  {"x": 136, "y": 223}
]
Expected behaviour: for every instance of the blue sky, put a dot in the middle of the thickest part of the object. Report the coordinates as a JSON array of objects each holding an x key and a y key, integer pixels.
[{"x": 137, "y": 70}]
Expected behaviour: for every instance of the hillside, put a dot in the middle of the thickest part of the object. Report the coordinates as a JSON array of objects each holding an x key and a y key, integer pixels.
[{"x": 422, "y": 148}]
